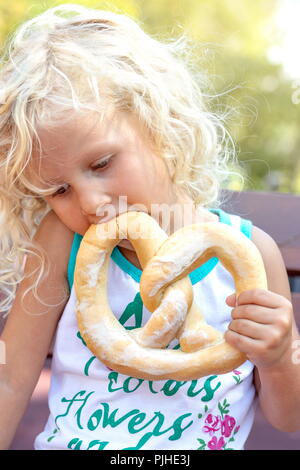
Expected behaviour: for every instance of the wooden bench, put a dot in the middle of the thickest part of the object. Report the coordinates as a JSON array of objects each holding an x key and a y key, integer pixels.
[{"x": 278, "y": 214}]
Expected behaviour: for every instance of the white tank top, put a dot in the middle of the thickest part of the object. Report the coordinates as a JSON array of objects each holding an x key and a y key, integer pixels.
[{"x": 93, "y": 407}]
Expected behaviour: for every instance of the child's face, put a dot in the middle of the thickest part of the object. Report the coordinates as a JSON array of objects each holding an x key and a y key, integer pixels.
[{"x": 95, "y": 163}]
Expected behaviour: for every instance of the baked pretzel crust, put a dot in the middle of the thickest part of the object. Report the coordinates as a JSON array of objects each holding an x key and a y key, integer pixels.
[{"x": 166, "y": 292}]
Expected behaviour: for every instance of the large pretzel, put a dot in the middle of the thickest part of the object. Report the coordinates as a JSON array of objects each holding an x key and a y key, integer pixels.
[{"x": 166, "y": 291}]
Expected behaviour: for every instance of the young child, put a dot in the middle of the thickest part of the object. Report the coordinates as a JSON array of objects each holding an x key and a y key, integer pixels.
[{"x": 94, "y": 111}]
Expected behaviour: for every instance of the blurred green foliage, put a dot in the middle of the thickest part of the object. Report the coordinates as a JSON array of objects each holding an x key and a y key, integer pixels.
[{"x": 231, "y": 42}]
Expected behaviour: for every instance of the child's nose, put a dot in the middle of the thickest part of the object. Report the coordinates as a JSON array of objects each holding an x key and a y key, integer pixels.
[{"x": 92, "y": 201}]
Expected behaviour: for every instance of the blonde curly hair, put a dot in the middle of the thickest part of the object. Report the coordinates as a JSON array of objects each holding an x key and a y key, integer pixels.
[{"x": 75, "y": 58}]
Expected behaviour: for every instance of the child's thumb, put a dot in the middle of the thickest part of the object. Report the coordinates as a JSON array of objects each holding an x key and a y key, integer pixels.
[{"x": 231, "y": 300}]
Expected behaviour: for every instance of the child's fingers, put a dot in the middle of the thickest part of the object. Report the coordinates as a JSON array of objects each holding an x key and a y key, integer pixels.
[
  {"x": 256, "y": 313},
  {"x": 262, "y": 297},
  {"x": 250, "y": 329},
  {"x": 245, "y": 344},
  {"x": 231, "y": 300}
]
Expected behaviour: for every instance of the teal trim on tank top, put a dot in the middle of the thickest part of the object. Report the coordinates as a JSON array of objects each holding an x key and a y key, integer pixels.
[{"x": 135, "y": 273}]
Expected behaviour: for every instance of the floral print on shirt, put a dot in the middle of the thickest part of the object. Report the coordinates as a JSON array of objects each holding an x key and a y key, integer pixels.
[{"x": 220, "y": 429}]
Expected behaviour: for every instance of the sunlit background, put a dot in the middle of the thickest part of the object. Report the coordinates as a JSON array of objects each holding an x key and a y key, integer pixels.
[{"x": 251, "y": 50}]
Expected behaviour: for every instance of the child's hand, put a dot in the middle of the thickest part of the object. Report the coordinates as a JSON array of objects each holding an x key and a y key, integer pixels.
[{"x": 261, "y": 325}]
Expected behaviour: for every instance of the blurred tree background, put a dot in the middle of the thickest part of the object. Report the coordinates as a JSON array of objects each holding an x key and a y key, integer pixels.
[{"x": 232, "y": 40}]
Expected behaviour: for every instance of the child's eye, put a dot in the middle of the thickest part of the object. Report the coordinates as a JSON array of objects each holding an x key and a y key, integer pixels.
[
  {"x": 101, "y": 164},
  {"x": 61, "y": 190}
]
